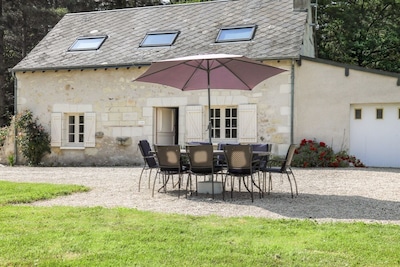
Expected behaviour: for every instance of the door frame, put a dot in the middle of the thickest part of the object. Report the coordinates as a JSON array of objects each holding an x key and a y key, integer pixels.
[{"x": 175, "y": 126}]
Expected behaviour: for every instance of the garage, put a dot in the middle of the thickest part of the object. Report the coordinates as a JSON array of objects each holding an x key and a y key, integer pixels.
[{"x": 374, "y": 134}]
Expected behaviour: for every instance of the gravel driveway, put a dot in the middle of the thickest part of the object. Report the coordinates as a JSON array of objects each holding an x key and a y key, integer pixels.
[{"x": 351, "y": 194}]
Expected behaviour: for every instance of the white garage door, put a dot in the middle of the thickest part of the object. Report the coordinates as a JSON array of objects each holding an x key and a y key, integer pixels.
[{"x": 375, "y": 134}]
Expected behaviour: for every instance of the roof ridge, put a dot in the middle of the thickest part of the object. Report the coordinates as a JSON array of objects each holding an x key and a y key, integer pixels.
[{"x": 149, "y": 7}]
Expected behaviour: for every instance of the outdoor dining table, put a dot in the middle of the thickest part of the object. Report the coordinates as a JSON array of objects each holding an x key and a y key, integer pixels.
[{"x": 219, "y": 152}]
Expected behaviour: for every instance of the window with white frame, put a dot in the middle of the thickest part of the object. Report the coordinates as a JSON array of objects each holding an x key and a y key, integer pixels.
[
  {"x": 73, "y": 130},
  {"x": 224, "y": 122},
  {"x": 230, "y": 123}
]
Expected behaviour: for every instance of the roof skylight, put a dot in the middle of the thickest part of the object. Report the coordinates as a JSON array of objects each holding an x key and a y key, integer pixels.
[
  {"x": 87, "y": 43},
  {"x": 153, "y": 39},
  {"x": 236, "y": 34}
]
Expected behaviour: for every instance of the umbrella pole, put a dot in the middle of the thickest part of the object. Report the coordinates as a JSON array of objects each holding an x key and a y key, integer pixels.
[
  {"x": 209, "y": 117},
  {"x": 209, "y": 122}
]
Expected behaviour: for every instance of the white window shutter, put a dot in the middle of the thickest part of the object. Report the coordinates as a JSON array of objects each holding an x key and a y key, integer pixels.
[
  {"x": 90, "y": 129},
  {"x": 247, "y": 130},
  {"x": 56, "y": 129},
  {"x": 194, "y": 123}
]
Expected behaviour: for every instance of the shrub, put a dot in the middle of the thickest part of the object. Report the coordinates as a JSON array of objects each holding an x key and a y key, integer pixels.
[
  {"x": 3, "y": 134},
  {"x": 32, "y": 138},
  {"x": 311, "y": 153}
]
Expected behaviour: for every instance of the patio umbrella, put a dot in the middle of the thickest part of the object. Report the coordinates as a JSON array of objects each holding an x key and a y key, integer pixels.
[{"x": 217, "y": 71}]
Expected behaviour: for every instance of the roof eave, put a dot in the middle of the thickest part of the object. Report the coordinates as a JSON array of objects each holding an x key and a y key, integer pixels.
[
  {"x": 130, "y": 65},
  {"x": 103, "y": 66}
]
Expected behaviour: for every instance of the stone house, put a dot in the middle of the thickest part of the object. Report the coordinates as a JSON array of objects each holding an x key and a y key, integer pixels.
[{"x": 79, "y": 81}]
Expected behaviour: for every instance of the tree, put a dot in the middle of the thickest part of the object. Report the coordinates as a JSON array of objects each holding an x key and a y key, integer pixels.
[
  {"x": 364, "y": 33},
  {"x": 23, "y": 23},
  {"x": 2, "y": 71}
]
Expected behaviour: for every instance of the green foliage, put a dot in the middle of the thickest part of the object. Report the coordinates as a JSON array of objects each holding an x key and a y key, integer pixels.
[
  {"x": 32, "y": 138},
  {"x": 11, "y": 160},
  {"x": 311, "y": 153},
  {"x": 3, "y": 134},
  {"x": 362, "y": 33}
]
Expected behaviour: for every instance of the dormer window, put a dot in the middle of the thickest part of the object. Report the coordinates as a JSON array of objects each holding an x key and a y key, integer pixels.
[
  {"x": 236, "y": 34},
  {"x": 87, "y": 43},
  {"x": 154, "y": 39}
]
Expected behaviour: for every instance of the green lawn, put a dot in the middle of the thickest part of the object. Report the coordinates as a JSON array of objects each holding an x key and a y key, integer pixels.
[
  {"x": 68, "y": 236},
  {"x": 14, "y": 193}
]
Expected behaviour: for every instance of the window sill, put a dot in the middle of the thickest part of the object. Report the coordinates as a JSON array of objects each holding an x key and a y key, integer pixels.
[{"x": 72, "y": 147}]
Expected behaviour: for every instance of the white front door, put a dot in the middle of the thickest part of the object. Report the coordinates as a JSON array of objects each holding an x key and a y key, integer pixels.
[{"x": 166, "y": 126}]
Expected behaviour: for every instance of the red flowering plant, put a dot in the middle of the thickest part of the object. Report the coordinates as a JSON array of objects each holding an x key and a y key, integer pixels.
[
  {"x": 342, "y": 159},
  {"x": 311, "y": 153}
]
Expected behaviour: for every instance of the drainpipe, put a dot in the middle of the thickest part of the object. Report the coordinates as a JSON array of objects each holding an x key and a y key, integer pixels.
[
  {"x": 292, "y": 102},
  {"x": 15, "y": 114}
]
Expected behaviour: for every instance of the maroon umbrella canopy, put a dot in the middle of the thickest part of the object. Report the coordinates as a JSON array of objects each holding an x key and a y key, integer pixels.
[{"x": 217, "y": 71}]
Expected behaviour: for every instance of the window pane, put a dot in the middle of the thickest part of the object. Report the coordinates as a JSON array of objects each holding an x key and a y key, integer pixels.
[
  {"x": 71, "y": 129},
  {"x": 71, "y": 138},
  {"x": 379, "y": 113},
  {"x": 217, "y": 123},
  {"x": 236, "y": 34},
  {"x": 234, "y": 112},
  {"x": 234, "y": 123},
  {"x": 357, "y": 114},
  {"x": 218, "y": 113},
  {"x": 227, "y": 123},
  {"x": 217, "y": 133},
  {"x": 81, "y": 119},
  {"x": 159, "y": 39},
  {"x": 227, "y": 133},
  {"x": 71, "y": 119},
  {"x": 234, "y": 133},
  {"x": 92, "y": 43},
  {"x": 227, "y": 112},
  {"x": 81, "y": 138}
]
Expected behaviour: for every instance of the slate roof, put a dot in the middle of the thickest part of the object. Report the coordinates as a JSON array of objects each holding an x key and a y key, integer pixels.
[{"x": 279, "y": 34}]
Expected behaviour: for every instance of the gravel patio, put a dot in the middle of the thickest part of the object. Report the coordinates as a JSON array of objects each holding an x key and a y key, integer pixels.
[{"x": 325, "y": 195}]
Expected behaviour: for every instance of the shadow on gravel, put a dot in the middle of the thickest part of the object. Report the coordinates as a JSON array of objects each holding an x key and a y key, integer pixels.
[{"x": 311, "y": 206}]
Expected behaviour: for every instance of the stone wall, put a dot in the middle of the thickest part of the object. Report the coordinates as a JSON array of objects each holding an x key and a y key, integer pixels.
[{"x": 126, "y": 109}]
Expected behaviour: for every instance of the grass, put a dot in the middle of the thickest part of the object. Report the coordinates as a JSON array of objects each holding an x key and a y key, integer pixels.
[
  {"x": 14, "y": 193},
  {"x": 71, "y": 236}
]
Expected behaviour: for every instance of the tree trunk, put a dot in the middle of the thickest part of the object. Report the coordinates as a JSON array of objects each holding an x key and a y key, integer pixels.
[{"x": 3, "y": 109}]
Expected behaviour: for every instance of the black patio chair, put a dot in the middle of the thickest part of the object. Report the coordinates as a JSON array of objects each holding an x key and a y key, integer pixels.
[
  {"x": 221, "y": 158},
  {"x": 202, "y": 163},
  {"x": 150, "y": 161},
  {"x": 240, "y": 164},
  {"x": 170, "y": 164},
  {"x": 264, "y": 148},
  {"x": 284, "y": 168}
]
